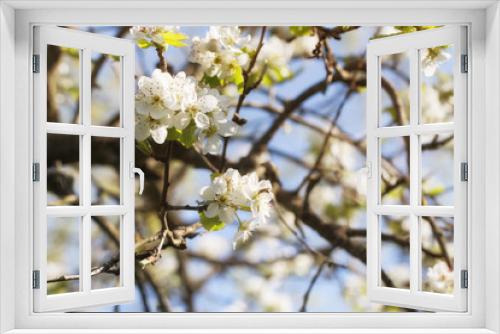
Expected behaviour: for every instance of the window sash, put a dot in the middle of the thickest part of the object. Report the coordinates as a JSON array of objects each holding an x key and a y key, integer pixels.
[
  {"x": 413, "y": 297},
  {"x": 86, "y": 43}
]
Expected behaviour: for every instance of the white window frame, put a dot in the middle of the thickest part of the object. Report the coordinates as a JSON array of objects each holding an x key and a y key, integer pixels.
[
  {"x": 86, "y": 43},
  {"x": 411, "y": 44},
  {"x": 16, "y": 20}
]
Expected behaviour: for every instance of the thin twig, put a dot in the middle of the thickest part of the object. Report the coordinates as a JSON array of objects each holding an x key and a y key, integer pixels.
[
  {"x": 246, "y": 90},
  {"x": 305, "y": 299},
  {"x": 326, "y": 141}
]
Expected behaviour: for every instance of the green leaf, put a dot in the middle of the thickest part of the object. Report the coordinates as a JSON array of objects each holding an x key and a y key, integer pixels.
[
  {"x": 213, "y": 82},
  {"x": 211, "y": 224},
  {"x": 174, "y": 38},
  {"x": 143, "y": 44},
  {"x": 173, "y": 134},
  {"x": 267, "y": 81},
  {"x": 436, "y": 191},
  {"x": 300, "y": 30},
  {"x": 188, "y": 136},
  {"x": 278, "y": 74},
  {"x": 145, "y": 147},
  {"x": 238, "y": 78},
  {"x": 214, "y": 175}
]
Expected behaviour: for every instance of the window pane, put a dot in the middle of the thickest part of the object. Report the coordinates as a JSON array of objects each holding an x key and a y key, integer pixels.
[
  {"x": 105, "y": 252},
  {"x": 437, "y": 169},
  {"x": 394, "y": 89},
  {"x": 394, "y": 171},
  {"x": 394, "y": 259},
  {"x": 63, "y": 254},
  {"x": 63, "y": 84},
  {"x": 437, "y": 254},
  {"x": 105, "y": 170},
  {"x": 436, "y": 90},
  {"x": 106, "y": 89},
  {"x": 63, "y": 169}
]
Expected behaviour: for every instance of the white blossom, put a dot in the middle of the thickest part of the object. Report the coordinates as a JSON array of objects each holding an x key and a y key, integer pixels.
[
  {"x": 276, "y": 52},
  {"x": 151, "y": 33},
  {"x": 214, "y": 128},
  {"x": 302, "y": 264},
  {"x": 164, "y": 101},
  {"x": 146, "y": 126},
  {"x": 275, "y": 56},
  {"x": 304, "y": 45},
  {"x": 231, "y": 192},
  {"x": 220, "y": 51},
  {"x": 431, "y": 61},
  {"x": 355, "y": 294},
  {"x": 245, "y": 230},
  {"x": 440, "y": 278},
  {"x": 213, "y": 246},
  {"x": 434, "y": 108},
  {"x": 274, "y": 301}
]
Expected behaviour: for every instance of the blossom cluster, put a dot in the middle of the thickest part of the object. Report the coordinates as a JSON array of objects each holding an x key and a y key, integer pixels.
[
  {"x": 221, "y": 52},
  {"x": 224, "y": 52},
  {"x": 177, "y": 102},
  {"x": 231, "y": 192},
  {"x": 276, "y": 54}
]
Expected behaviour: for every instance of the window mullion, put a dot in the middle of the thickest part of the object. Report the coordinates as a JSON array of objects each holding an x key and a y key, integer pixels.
[
  {"x": 85, "y": 249},
  {"x": 414, "y": 174}
]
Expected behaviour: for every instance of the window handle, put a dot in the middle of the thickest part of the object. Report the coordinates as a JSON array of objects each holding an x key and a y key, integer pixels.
[{"x": 134, "y": 170}]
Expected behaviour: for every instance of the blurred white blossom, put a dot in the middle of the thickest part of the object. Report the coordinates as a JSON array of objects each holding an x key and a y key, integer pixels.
[
  {"x": 432, "y": 59},
  {"x": 274, "y": 301},
  {"x": 213, "y": 246},
  {"x": 304, "y": 45},
  {"x": 275, "y": 56},
  {"x": 266, "y": 295},
  {"x": 440, "y": 278},
  {"x": 435, "y": 109},
  {"x": 355, "y": 294}
]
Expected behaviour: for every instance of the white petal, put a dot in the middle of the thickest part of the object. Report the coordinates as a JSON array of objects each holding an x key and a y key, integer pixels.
[
  {"x": 202, "y": 121},
  {"x": 157, "y": 111},
  {"x": 228, "y": 129},
  {"x": 243, "y": 59},
  {"x": 159, "y": 134},
  {"x": 265, "y": 184},
  {"x": 158, "y": 39},
  {"x": 170, "y": 101},
  {"x": 219, "y": 185},
  {"x": 207, "y": 193},
  {"x": 213, "y": 145},
  {"x": 212, "y": 210},
  {"x": 430, "y": 69},
  {"x": 150, "y": 87},
  {"x": 207, "y": 103},
  {"x": 141, "y": 129},
  {"x": 227, "y": 215},
  {"x": 181, "y": 120}
]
